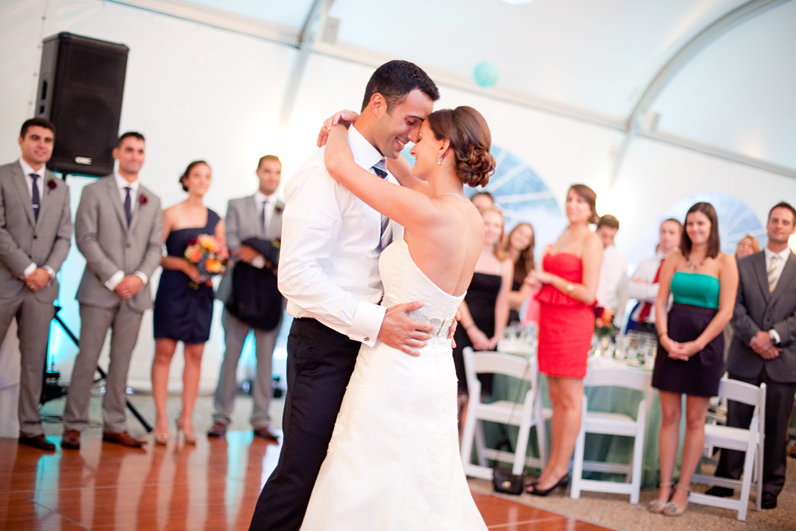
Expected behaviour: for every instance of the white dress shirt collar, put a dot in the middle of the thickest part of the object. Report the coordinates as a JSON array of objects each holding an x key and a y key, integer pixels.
[
  {"x": 27, "y": 169},
  {"x": 122, "y": 183},
  {"x": 261, "y": 198},
  {"x": 365, "y": 155},
  {"x": 782, "y": 257}
]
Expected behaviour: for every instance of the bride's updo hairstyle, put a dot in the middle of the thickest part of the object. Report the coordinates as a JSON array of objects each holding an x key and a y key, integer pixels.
[{"x": 470, "y": 140}]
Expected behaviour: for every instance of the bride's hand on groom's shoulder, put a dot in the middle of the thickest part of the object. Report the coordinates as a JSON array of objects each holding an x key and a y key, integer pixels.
[
  {"x": 403, "y": 333},
  {"x": 343, "y": 117}
]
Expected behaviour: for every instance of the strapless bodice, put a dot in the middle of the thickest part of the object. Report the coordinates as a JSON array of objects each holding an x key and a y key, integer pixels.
[{"x": 404, "y": 282}]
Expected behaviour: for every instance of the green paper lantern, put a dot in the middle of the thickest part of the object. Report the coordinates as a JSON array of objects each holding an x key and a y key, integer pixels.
[{"x": 485, "y": 75}]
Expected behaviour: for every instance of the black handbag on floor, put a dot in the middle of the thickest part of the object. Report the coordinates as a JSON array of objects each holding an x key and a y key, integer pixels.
[{"x": 506, "y": 482}]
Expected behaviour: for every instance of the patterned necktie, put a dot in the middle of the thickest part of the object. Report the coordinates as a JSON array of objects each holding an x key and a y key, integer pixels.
[
  {"x": 386, "y": 232},
  {"x": 34, "y": 194},
  {"x": 772, "y": 274},
  {"x": 128, "y": 205},
  {"x": 647, "y": 308}
]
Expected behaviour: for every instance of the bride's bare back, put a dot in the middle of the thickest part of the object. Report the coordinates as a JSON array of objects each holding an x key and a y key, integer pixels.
[{"x": 447, "y": 252}]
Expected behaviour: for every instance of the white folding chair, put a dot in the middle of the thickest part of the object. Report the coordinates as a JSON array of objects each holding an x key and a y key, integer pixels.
[
  {"x": 749, "y": 441},
  {"x": 613, "y": 424},
  {"x": 525, "y": 415}
]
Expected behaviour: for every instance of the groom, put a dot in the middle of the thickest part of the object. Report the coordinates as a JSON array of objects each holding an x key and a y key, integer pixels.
[{"x": 328, "y": 271}]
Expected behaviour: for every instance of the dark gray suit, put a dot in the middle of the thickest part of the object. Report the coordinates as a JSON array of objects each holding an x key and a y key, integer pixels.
[
  {"x": 243, "y": 222},
  {"x": 24, "y": 240},
  {"x": 758, "y": 310},
  {"x": 109, "y": 245}
]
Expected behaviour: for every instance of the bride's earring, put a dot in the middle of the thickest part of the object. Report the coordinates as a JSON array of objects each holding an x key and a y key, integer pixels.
[{"x": 439, "y": 161}]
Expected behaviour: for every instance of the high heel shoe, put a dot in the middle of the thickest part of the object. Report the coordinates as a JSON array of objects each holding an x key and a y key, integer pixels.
[
  {"x": 162, "y": 439},
  {"x": 189, "y": 438},
  {"x": 656, "y": 506},
  {"x": 562, "y": 484},
  {"x": 672, "y": 509}
]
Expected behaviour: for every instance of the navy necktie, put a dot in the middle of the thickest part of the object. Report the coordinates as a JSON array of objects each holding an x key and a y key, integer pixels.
[
  {"x": 128, "y": 205},
  {"x": 34, "y": 193},
  {"x": 386, "y": 233}
]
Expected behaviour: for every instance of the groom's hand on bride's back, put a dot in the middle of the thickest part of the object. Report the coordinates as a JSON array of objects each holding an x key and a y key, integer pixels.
[{"x": 401, "y": 332}]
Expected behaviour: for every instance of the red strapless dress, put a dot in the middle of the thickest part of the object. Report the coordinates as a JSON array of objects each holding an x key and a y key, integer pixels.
[{"x": 566, "y": 325}]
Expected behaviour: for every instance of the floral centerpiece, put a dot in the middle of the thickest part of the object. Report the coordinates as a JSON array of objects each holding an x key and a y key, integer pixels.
[{"x": 208, "y": 255}]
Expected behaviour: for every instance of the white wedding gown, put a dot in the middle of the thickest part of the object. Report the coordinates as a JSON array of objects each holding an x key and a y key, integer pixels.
[{"x": 393, "y": 461}]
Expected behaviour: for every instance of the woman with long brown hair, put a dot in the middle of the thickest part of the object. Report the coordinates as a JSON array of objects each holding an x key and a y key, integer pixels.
[
  {"x": 519, "y": 247},
  {"x": 690, "y": 359},
  {"x": 568, "y": 281}
]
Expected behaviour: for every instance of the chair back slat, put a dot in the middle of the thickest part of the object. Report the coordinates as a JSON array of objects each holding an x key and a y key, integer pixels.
[
  {"x": 739, "y": 392},
  {"x": 490, "y": 362},
  {"x": 618, "y": 377}
]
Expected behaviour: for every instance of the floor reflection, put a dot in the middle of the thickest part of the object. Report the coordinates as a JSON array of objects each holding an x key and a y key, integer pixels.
[{"x": 211, "y": 486}]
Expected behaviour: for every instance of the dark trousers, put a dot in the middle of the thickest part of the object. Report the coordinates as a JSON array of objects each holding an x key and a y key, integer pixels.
[
  {"x": 319, "y": 365},
  {"x": 779, "y": 404}
]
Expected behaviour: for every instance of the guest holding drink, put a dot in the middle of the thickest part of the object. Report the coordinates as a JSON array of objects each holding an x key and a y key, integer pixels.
[
  {"x": 519, "y": 247},
  {"x": 485, "y": 309},
  {"x": 690, "y": 359},
  {"x": 568, "y": 281},
  {"x": 184, "y": 300}
]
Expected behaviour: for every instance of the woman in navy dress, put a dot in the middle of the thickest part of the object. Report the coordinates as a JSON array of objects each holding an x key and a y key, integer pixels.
[{"x": 184, "y": 301}]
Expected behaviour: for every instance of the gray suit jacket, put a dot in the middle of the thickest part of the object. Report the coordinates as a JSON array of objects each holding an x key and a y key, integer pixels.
[
  {"x": 109, "y": 246},
  {"x": 756, "y": 309},
  {"x": 23, "y": 239},
  {"x": 241, "y": 223}
]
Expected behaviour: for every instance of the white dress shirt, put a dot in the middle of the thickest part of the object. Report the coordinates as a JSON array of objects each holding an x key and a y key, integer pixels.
[
  {"x": 645, "y": 291},
  {"x": 612, "y": 286},
  {"x": 328, "y": 264},
  {"x": 122, "y": 184},
  {"x": 26, "y": 171}
]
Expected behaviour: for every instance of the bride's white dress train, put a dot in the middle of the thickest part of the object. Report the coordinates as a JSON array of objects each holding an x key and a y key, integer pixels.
[{"x": 393, "y": 461}]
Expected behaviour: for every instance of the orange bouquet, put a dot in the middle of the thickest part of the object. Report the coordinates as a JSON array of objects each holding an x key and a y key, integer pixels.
[{"x": 208, "y": 255}]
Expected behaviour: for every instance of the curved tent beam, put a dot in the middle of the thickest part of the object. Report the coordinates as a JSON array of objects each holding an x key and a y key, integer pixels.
[{"x": 726, "y": 22}]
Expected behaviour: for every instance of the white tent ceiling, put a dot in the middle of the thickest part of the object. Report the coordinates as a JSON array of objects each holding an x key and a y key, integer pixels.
[{"x": 719, "y": 74}]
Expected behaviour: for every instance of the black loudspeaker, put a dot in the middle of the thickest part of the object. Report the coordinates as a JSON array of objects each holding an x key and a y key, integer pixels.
[{"x": 81, "y": 84}]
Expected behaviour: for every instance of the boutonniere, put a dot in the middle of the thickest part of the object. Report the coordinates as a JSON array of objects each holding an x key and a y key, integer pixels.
[
  {"x": 280, "y": 206},
  {"x": 51, "y": 184},
  {"x": 143, "y": 199}
]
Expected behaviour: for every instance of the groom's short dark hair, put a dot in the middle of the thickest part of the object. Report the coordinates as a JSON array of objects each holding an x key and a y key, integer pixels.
[{"x": 395, "y": 80}]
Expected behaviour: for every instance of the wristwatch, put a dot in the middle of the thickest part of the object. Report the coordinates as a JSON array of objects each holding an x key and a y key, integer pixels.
[{"x": 774, "y": 336}]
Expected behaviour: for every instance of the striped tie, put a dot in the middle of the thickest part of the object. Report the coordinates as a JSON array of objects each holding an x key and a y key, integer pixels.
[
  {"x": 772, "y": 274},
  {"x": 386, "y": 232}
]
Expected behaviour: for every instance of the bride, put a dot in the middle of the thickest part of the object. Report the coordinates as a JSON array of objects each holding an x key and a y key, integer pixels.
[{"x": 393, "y": 461}]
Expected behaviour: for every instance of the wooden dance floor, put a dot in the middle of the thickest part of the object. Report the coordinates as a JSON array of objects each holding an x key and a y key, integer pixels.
[{"x": 211, "y": 486}]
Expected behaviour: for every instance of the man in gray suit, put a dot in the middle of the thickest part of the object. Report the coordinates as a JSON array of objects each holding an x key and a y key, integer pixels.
[
  {"x": 763, "y": 350},
  {"x": 256, "y": 219},
  {"x": 35, "y": 234},
  {"x": 119, "y": 229}
]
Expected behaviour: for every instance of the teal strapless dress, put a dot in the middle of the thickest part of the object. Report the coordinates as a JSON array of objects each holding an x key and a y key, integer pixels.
[{"x": 696, "y": 302}]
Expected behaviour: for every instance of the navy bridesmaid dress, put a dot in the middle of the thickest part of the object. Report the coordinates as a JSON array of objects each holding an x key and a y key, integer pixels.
[{"x": 182, "y": 312}]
